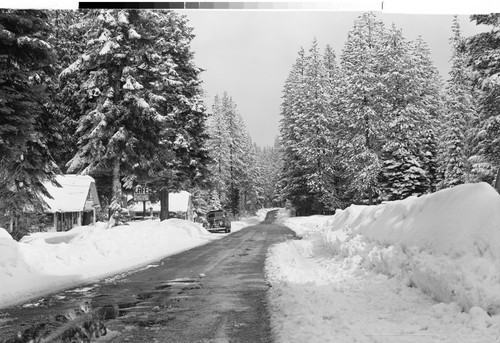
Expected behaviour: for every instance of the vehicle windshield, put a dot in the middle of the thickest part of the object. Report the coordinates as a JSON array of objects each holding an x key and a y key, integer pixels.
[{"x": 215, "y": 215}]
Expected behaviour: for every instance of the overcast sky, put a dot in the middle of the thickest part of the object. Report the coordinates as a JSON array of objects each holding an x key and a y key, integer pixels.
[{"x": 250, "y": 53}]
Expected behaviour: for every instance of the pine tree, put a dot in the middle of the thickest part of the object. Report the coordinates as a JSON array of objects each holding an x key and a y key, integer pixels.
[
  {"x": 429, "y": 159},
  {"x": 218, "y": 145},
  {"x": 69, "y": 41},
  {"x": 115, "y": 111},
  {"x": 465, "y": 112},
  {"x": 461, "y": 116},
  {"x": 363, "y": 105},
  {"x": 429, "y": 83},
  {"x": 233, "y": 171},
  {"x": 429, "y": 98},
  {"x": 214, "y": 202},
  {"x": 27, "y": 127},
  {"x": 293, "y": 183},
  {"x": 402, "y": 174},
  {"x": 456, "y": 167},
  {"x": 483, "y": 58},
  {"x": 181, "y": 153},
  {"x": 319, "y": 144},
  {"x": 250, "y": 190},
  {"x": 269, "y": 159},
  {"x": 143, "y": 116},
  {"x": 199, "y": 198},
  {"x": 309, "y": 133},
  {"x": 236, "y": 145}
]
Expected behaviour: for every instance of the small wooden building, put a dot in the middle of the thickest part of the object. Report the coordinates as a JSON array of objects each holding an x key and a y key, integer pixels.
[
  {"x": 179, "y": 204},
  {"x": 74, "y": 203}
]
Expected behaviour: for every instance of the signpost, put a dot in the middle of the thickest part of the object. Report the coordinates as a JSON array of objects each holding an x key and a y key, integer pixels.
[{"x": 141, "y": 193}]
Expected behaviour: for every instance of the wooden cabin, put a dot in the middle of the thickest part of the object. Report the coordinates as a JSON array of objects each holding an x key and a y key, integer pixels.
[{"x": 74, "y": 203}]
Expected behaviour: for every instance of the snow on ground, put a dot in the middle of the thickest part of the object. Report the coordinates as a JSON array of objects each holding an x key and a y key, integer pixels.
[
  {"x": 422, "y": 269},
  {"x": 45, "y": 262}
]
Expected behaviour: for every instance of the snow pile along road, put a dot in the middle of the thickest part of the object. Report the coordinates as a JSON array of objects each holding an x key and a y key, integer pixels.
[
  {"x": 447, "y": 243},
  {"x": 45, "y": 262},
  {"x": 303, "y": 226},
  {"x": 422, "y": 269}
]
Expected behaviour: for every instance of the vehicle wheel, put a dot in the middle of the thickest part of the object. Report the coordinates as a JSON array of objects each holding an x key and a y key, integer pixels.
[{"x": 228, "y": 230}]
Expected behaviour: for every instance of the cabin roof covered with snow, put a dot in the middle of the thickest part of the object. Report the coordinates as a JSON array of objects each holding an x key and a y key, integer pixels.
[{"x": 77, "y": 193}]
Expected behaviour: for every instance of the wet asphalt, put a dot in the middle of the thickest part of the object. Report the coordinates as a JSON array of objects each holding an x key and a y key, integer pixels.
[{"x": 212, "y": 293}]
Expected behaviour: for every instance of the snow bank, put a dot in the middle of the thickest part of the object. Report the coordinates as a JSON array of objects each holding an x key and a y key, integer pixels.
[
  {"x": 318, "y": 297},
  {"x": 304, "y": 226},
  {"x": 464, "y": 220},
  {"x": 4, "y": 233},
  {"x": 447, "y": 244},
  {"x": 262, "y": 213},
  {"x": 421, "y": 270},
  {"x": 44, "y": 262}
]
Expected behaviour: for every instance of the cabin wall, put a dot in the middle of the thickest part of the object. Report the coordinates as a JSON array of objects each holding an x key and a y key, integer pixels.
[{"x": 67, "y": 220}]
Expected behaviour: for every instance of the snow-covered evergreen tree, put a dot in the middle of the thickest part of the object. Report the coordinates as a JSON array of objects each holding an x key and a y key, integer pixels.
[
  {"x": 364, "y": 129},
  {"x": 27, "y": 126},
  {"x": 319, "y": 146},
  {"x": 269, "y": 159},
  {"x": 142, "y": 113},
  {"x": 308, "y": 138},
  {"x": 250, "y": 187},
  {"x": 456, "y": 168},
  {"x": 429, "y": 159},
  {"x": 293, "y": 183},
  {"x": 234, "y": 171},
  {"x": 218, "y": 145},
  {"x": 214, "y": 202},
  {"x": 115, "y": 107},
  {"x": 363, "y": 105},
  {"x": 68, "y": 40},
  {"x": 484, "y": 59},
  {"x": 459, "y": 147},
  {"x": 236, "y": 165},
  {"x": 406, "y": 80},
  {"x": 430, "y": 100},
  {"x": 402, "y": 175}
]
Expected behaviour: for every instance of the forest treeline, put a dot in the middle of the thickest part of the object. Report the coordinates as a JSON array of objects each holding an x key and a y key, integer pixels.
[
  {"x": 379, "y": 123},
  {"x": 116, "y": 94}
]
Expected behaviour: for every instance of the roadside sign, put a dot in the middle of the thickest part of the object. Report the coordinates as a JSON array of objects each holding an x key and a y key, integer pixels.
[
  {"x": 141, "y": 193},
  {"x": 141, "y": 197}
]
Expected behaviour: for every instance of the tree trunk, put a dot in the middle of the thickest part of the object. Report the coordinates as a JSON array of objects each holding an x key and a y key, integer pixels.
[
  {"x": 164, "y": 204},
  {"x": 116, "y": 195},
  {"x": 497, "y": 181}
]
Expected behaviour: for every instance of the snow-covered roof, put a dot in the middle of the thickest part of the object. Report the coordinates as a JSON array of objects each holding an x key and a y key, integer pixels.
[
  {"x": 72, "y": 194},
  {"x": 177, "y": 202}
]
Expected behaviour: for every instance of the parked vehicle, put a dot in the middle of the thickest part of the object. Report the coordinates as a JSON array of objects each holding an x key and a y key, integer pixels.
[{"x": 217, "y": 221}]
